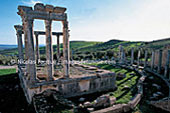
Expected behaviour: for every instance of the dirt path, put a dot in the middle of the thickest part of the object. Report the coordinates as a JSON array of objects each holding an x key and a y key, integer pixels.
[{"x": 7, "y": 67}]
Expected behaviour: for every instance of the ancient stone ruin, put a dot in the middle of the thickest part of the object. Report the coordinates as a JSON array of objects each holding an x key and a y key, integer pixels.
[
  {"x": 43, "y": 76},
  {"x": 68, "y": 79}
]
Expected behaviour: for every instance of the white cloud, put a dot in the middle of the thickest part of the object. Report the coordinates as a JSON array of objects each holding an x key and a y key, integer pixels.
[
  {"x": 31, "y": 2},
  {"x": 149, "y": 21}
]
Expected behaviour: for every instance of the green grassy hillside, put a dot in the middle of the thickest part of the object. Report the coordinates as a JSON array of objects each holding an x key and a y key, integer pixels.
[
  {"x": 158, "y": 44},
  {"x": 97, "y": 50}
]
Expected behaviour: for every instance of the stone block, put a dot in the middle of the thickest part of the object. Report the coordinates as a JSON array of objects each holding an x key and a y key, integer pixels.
[
  {"x": 87, "y": 104},
  {"x": 102, "y": 101},
  {"x": 39, "y": 7},
  {"x": 59, "y": 10},
  {"x": 81, "y": 99},
  {"x": 112, "y": 100},
  {"x": 90, "y": 109},
  {"x": 49, "y": 8},
  {"x": 126, "y": 107}
]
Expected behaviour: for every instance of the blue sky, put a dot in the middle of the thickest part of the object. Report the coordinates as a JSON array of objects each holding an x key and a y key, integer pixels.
[{"x": 96, "y": 20}]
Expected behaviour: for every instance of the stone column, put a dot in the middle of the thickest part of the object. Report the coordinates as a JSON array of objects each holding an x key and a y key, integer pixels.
[
  {"x": 132, "y": 56},
  {"x": 19, "y": 41},
  {"x": 49, "y": 50},
  {"x": 37, "y": 49},
  {"x": 66, "y": 53},
  {"x": 58, "y": 47},
  {"x": 167, "y": 65},
  {"x": 160, "y": 61},
  {"x": 138, "y": 62},
  {"x": 122, "y": 54},
  {"x": 152, "y": 60},
  {"x": 146, "y": 58},
  {"x": 29, "y": 50},
  {"x": 120, "y": 50}
]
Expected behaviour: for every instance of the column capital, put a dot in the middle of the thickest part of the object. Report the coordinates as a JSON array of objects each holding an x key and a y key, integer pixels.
[
  {"x": 36, "y": 35},
  {"x": 19, "y": 29}
]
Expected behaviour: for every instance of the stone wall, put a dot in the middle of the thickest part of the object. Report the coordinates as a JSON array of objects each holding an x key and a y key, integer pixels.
[
  {"x": 163, "y": 104},
  {"x": 71, "y": 87},
  {"x": 120, "y": 108},
  {"x": 164, "y": 56}
]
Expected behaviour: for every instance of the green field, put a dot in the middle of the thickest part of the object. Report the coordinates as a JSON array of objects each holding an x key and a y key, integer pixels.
[
  {"x": 7, "y": 71},
  {"x": 122, "y": 95}
]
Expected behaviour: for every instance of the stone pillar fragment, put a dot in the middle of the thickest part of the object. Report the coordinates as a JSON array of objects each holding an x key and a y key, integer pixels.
[
  {"x": 146, "y": 58},
  {"x": 49, "y": 50},
  {"x": 19, "y": 41},
  {"x": 37, "y": 49},
  {"x": 167, "y": 65},
  {"x": 58, "y": 47},
  {"x": 152, "y": 60},
  {"x": 120, "y": 50},
  {"x": 132, "y": 56},
  {"x": 29, "y": 49},
  {"x": 66, "y": 53},
  {"x": 138, "y": 60},
  {"x": 160, "y": 61},
  {"x": 121, "y": 54}
]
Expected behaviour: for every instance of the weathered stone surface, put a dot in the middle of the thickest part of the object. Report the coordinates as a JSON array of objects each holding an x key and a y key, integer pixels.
[
  {"x": 90, "y": 109},
  {"x": 102, "y": 101},
  {"x": 146, "y": 58},
  {"x": 112, "y": 100},
  {"x": 132, "y": 56},
  {"x": 82, "y": 99},
  {"x": 68, "y": 87},
  {"x": 163, "y": 104},
  {"x": 39, "y": 7},
  {"x": 153, "y": 60},
  {"x": 87, "y": 104},
  {"x": 66, "y": 49},
  {"x": 23, "y": 10},
  {"x": 59, "y": 9},
  {"x": 19, "y": 31},
  {"x": 49, "y": 50},
  {"x": 49, "y": 8}
]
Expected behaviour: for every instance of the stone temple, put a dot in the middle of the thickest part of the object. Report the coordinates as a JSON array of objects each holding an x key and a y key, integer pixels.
[{"x": 60, "y": 75}]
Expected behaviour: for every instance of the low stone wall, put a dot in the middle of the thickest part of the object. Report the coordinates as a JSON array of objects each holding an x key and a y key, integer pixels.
[
  {"x": 164, "y": 103},
  {"x": 119, "y": 108},
  {"x": 71, "y": 87}
]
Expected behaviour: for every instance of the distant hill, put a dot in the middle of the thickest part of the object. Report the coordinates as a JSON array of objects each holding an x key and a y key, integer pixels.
[
  {"x": 4, "y": 46},
  {"x": 82, "y": 47},
  {"x": 158, "y": 44},
  {"x": 109, "y": 45},
  {"x": 12, "y": 50}
]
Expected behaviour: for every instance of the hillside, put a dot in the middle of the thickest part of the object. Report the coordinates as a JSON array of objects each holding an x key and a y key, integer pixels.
[
  {"x": 158, "y": 44},
  {"x": 12, "y": 49},
  {"x": 3, "y": 46},
  {"x": 109, "y": 45},
  {"x": 92, "y": 50}
]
